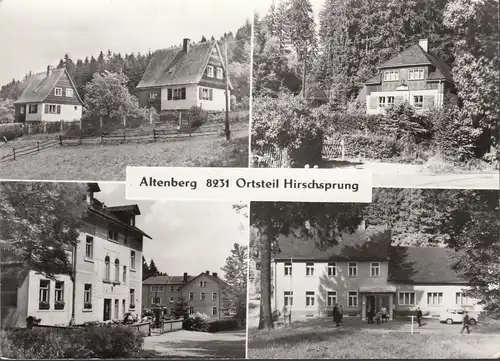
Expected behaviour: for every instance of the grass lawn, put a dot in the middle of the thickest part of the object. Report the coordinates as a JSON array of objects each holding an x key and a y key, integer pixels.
[
  {"x": 297, "y": 342},
  {"x": 107, "y": 162}
]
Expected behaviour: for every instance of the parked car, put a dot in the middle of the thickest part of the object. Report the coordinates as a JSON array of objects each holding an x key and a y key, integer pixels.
[{"x": 456, "y": 315}]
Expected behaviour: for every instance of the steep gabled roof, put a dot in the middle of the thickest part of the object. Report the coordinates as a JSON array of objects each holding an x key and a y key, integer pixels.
[
  {"x": 423, "y": 265},
  {"x": 166, "y": 280},
  {"x": 132, "y": 208},
  {"x": 40, "y": 86},
  {"x": 363, "y": 245},
  {"x": 415, "y": 56}
]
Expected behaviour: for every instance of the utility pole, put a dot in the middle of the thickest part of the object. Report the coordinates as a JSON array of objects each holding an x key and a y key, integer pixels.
[{"x": 227, "y": 131}]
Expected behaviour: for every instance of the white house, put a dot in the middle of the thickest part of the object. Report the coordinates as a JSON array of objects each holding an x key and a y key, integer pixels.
[
  {"x": 178, "y": 78},
  {"x": 50, "y": 96},
  {"x": 364, "y": 272},
  {"x": 108, "y": 268}
]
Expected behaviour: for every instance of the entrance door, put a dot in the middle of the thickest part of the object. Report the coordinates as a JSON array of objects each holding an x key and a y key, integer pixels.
[
  {"x": 370, "y": 303},
  {"x": 107, "y": 310}
]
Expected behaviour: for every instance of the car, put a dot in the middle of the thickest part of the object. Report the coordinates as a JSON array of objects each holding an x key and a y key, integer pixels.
[{"x": 456, "y": 315}]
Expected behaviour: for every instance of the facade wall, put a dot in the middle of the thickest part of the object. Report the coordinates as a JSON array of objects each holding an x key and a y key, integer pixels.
[
  {"x": 69, "y": 113},
  {"x": 16, "y": 315},
  {"x": 197, "y": 303},
  {"x": 218, "y": 102},
  {"x": 168, "y": 295},
  {"x": 181, "y": 104},
  {"x": 63, "y": 83},
  {"x": 431, "y": 98},
  {"x": 34, "y": 117}
]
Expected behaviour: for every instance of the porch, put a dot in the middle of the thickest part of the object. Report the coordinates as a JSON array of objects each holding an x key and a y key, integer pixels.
[{"x": 376, "y": 298}]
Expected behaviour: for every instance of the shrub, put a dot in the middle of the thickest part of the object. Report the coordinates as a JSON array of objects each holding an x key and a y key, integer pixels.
[
  {"x": 372, "y": 146},
  {"x": 224, "y": 325},
  {"x": 11, "y": 131},
  {"x": 38, "y": 343},
  {"x": 196, "y": 322},
  {"x": 197, "y": 116},
  {"x": 402, "y": 121},
  {"x": 112, "y": 341}
]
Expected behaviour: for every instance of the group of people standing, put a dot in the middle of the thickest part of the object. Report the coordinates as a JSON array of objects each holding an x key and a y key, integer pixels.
[
  {"x": 379, "y": 316},
  {"x": 338, "y": 314}
]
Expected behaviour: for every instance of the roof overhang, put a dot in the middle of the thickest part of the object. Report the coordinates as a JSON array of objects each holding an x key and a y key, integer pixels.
[
  {"x": 102, "y": 214},
  {"x": 377, "y": 289},
  {"x": 403, "y": 65}
]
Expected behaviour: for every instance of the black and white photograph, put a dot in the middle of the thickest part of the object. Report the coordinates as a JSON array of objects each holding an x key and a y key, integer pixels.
[
  {"x": 406, "y": 89},
  {"x": 89, "y": 87},
  {"x": 87, "y": 274},
  {"x": 414, "y": 274}
]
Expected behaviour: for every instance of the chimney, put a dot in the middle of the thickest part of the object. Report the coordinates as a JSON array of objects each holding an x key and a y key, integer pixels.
[
  {"x": 49, "y": 70},
  {"x": 186, "y": 45},
  {"x": 214, "y": 274},
  {"x": 207, "y": 272},
  {"x": 185, "y": 277},
  {"x": 424, "y": 44}
]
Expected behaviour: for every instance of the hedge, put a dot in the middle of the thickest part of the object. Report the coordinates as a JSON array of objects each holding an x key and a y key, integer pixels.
[
  {"x": 224, "y": 325},
  {"x": 11, "y": 131}
]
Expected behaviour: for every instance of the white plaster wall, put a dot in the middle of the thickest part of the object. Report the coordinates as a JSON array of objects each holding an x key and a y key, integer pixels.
[
  {"x": 182, "y": 104},
  {"x": 69, "y": 113},
  {"x": 218, "y": 102},
  {"x": 408, "y": 97}
]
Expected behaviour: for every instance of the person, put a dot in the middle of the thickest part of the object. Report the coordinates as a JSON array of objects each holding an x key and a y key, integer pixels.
[
  {"x": 341, "y": 313},
  {"x": 370, "y": 316},
  {"x": 419, "y": 316},
  {"x": 336, "y": 317},
  {"x": 383, "y": 310},
  {"x": 393, "y": 311},
  {"x": 466, "y": 323}
]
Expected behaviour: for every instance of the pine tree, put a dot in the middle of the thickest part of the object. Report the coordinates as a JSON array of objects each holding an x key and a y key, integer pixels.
[
  {"x": 181, "y": 309},
  {"x": 145, "y": 269},
  {"x": 153, "y": 271}
]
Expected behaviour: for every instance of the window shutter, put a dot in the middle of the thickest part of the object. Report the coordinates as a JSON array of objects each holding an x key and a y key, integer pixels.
[
  {"x": 183, "y": 93},
  {"x": 46, "y": 109},
  {"x": 211, "y": 92},
  {"x": 169, "y": 94},
  {"x": 58, "y": 109},
  {"x": 201, "y": 93}
]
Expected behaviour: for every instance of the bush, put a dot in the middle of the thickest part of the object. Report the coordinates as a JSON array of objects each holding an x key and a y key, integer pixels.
[
  {"x": 373, "y": 146},
  {"x": 197, "y": 116},
  {"x": 111, "y": 341},
  {"x": 224, "y": 325},
  {"x": 196, "y": 322},
  {"x": 11, "y": 131},
  {"x": 39, "y": 343}
]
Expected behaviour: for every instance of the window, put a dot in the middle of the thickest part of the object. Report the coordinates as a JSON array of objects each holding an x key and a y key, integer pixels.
[
  {"x": 214, "y": 296},
  {"x": 331, "y": 298},
  {"x": 214, "y": 311},
  {"x": 179, "y": 94},
  {"x": 391, "y": 75},
  {"x": 156, "y": 300},
  {"x": 117, "y": 309},
  {"x": 390, "y": 101},
  {"x": 202, "y": 296},
  {"x": 381, "y": 102},
  {"x": 220, "y": 74},
  {"x": 123, "y": 308},
  {"x": 418, "y": 101},
  {"x": 434, "y": 298},
  {"x": 309, "y": 269},
  {"x": 353, "y": 269},
  {"x": 289, "y": 298},
  {"x": 124, "y": 277},
  {"x": 89, "y": 247},
  {"x": 191, "y": 309},
  {"x": 132, "y": 298},
  {"x": 87, "y": 296},
  {"x": 58, "y": 92},
  {"x": 210, "y": 71},
  {"x": 461, "y": 299},
  {"x": 406, "y": 298},
  {"x": 107, "y": 271},
  {"x": 59, "y": 294},
  {"x": 191, "y": 296},
  {"x": 375, "y": 269},
  {"x": 22, "y": 109},
  {"x": 288, "y": 269},
  {"x": 153, "y": 95},
  {"x": 204, "y": 92},
  {"x": 332, "y": 269},
  {"x": 132, "y": 260},
  {"x": 416, "y": 74},
  {"x": 112, "y": 234},
  {"x": 309, "y": 298},
  {"x": 69, "y": 92},
  {"x": 44, "y": 295},
  {"x": 169, "y": 94},
  {"x": 171, "y": 300},
  {"x": 33, "y": 109},
  {"x": 178, "y": 289},
  {"x": 353, "y": 299},
  {"x": 52, "y": 109},
  {"x": 172, "y": 288},
  {"x": 203, "y": 284},
  {"x": 117, "y": 270}
]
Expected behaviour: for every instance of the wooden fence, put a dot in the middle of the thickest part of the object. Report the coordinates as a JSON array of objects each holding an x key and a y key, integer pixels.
[
  {"x": 171, "y": 325},
  {"x": 144, "y": 327},
  {"x": 273, "y": 158},
  {"x": 333, "y": 149},
  {"x": 35, "y": 147}
]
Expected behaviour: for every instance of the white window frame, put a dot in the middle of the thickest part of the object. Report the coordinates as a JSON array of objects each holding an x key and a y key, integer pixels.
[
  {"x": 391, "y": 100},
  {"x": 220, "y": 73},
  {"x": 332, "y": 269},
  {"x": 132, "y": 298},
  {"x": 132, "y": 260},
  {"x": 391, "y": 75},
  {"x": 381, "y": 102},
  {"x": 351, "y": 267},
  {"x": 89, "y": 247},
  {"x": 288, "y": 269},
  {"x": 203, "y": 296},
  {"x": 310, "y": 298},
  {"x": 435, "y": 296},
  {"x": 58, "y": 92},
  {"x": 59, "y": 291},
  {"x": 191, "y": 296},
  {"x": 331, "y": 298},
  {"x": 407, "y": 297},
  {"x": 44, "y": 292},
  {"x": 210, "y": 71},
  {"x": 375, "y": 266},
  {"x": 117, "y": 270},
  {"x": 416, "y": 74},
  {"x": 288, "y": 298},
  {"x": 172, "y": 288},
  {"x": 156, "y": 298},
  {"x": 87, "y": 293},
  {"x": 464, "y": 300},
  {"x": 214, "y": 296},
  {"x": 205, "y": 94},
  {"x": 68, "y": 92},
  {"x": 309, "y": 269},
  {"x": 352, "y": 296},
  {"x": 177, "y": 94},
  {"x": 22, "y": 109},
  {"x": 52, "y": 109},
  {"x": 107, "y": 268},
  {"x": 33, "y": 109},
  {"x": 214, "y": 311},
  {"x": 124, "y": 274},
  {"x": 418, "y": 104}
]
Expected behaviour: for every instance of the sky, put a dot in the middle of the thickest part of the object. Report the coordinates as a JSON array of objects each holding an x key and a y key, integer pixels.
[
  {"x": 36, "y": 33},
  {"x": 188, "y": 236}
]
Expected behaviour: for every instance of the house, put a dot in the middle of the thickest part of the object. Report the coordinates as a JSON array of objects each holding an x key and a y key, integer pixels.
[
  {"x": 363, "y": 271},
  {"x": 205, "y": 293},
  {"x": 415, "y": 76},
  {"x": 190, "y": 75},
  {"x": 107, "y": 264},
  {"x": 50, "y": 96}
]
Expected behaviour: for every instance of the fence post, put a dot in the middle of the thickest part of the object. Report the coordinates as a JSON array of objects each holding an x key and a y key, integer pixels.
[
  {"x": 60, "y": 139},
  {"x": 45, "y": 127},
  {"x": 342, "y": 149},
  {"x": 150, "y": 116},
  {"x": 38, "y": 146},
  {"x": 14, "y": 153},
  {"x": 154, "y": 135},
  {"x": 102, "y": 136},
  {"x": 100, "y": 123},
  {"x": 180, "y": 120},
  {"x": 62, "y": 125},
  {"x": 124, "y": 137},
  {"x": 412, "y": 324},
  {"x": 29, "y": 128},
  {"x": 124, "y": 121}
]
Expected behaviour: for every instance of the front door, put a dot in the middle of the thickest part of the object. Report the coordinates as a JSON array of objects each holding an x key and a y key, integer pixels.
[
  {"x": 370, "y": 303},
  {"x": 107, "y": 310}
]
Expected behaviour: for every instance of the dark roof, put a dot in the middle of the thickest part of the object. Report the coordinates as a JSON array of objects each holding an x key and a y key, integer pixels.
[
  {"x": 414, "y": 56},
  {"x": 364, "y": 245},
  {"x": 94, "y": 187},
  {"x": 40, "y": 86},
  {"x": 427, "y": 265},
  {"x": 132, "y": 208},
  {"x": 173, "y": 66},
  {"x": 166, "y": 280}
]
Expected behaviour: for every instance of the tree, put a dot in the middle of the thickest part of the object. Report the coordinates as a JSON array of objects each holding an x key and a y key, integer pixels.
[
  {"x": 235, "y": 275},
  {"x": 271, "y": 219},
  {"x": 153, "y": 271},
  {"x": 181, "y": 308},
  {"x": 302, "y": 28},
  {"x": 203, "y": 39},
  {"x": 145, "y": 269}
]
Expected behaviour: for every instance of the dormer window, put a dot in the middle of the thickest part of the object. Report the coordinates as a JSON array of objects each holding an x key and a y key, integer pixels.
[
  {"x": 391, "y": 75},
  {"x": 219, "y": 73},
  {"x": 112, "y": 234},
  {"x": 69, "y": 92},
  {"x": 210, "y": 71},
  {"x": 58, "y": 92},
  {"x": 416, "y": 74}
]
